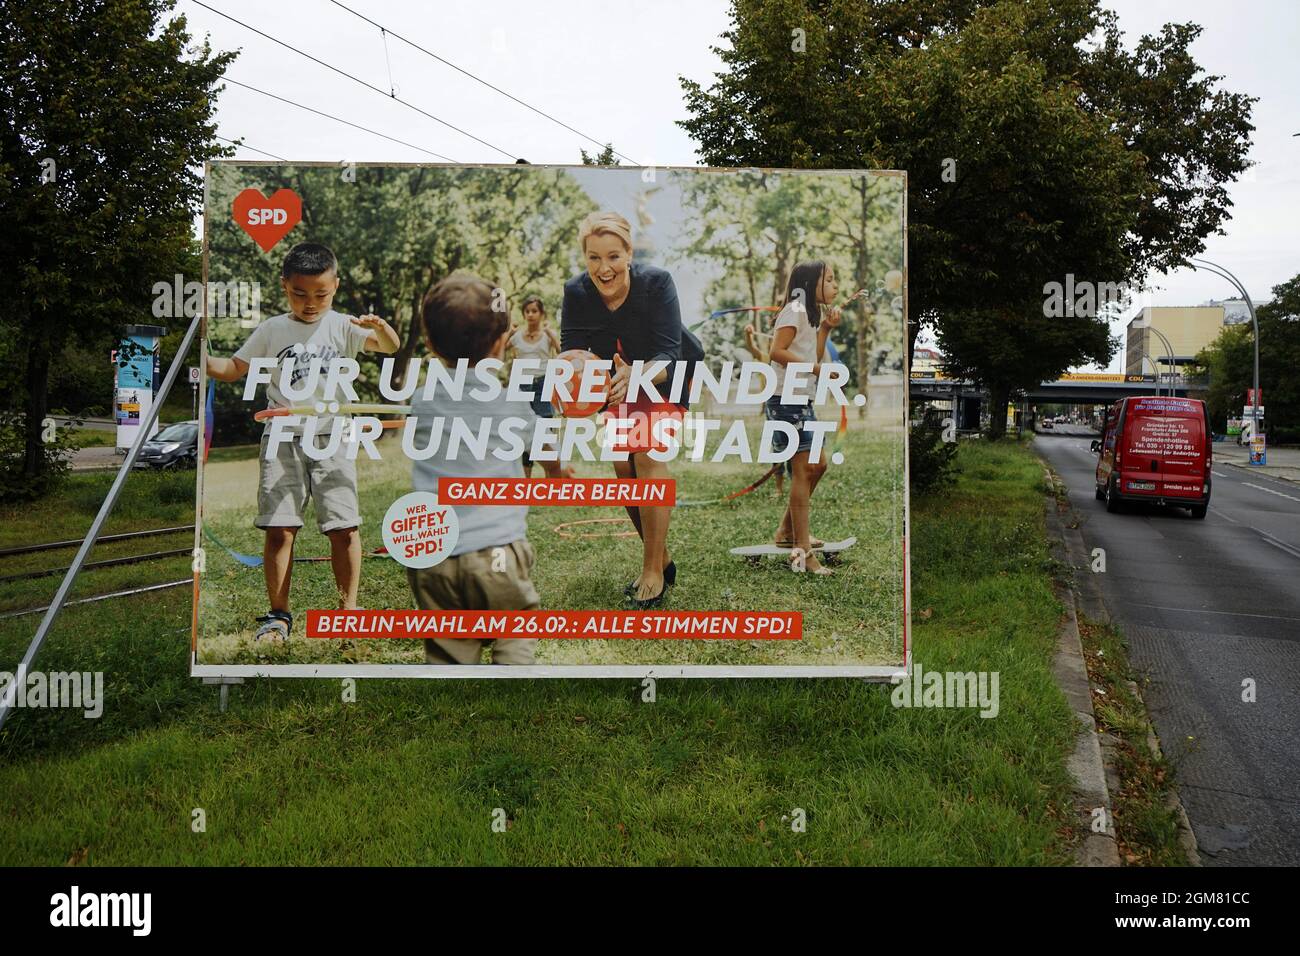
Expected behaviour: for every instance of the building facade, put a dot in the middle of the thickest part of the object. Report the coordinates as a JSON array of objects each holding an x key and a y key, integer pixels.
[{"x": 1188, "y": 329}]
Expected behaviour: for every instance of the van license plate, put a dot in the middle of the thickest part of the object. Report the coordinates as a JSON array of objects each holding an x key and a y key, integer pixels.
[{"x": 1142, "y": 485}]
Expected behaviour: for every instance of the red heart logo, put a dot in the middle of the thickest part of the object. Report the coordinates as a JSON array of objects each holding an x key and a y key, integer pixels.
[{"x": 267, "y": 220}]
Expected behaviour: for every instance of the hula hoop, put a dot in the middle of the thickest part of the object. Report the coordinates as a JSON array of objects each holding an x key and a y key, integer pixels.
[
  {"x": 332, "y": 408},
  {"x": 753, "y": 485},
  {"x": 571, "y": 524},
  {"x": 748, "y": 308},
  {"x": 840, "y": 432},
  {"x": 253, "y": 561}
]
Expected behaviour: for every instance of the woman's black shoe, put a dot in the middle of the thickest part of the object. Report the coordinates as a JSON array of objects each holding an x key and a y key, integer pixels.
[
  {"x": 649, "y": 603},
  {"x": 670, "y": 577}
]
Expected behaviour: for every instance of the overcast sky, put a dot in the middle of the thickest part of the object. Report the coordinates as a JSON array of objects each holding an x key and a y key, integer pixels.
[{"x": 611, "y": 72}]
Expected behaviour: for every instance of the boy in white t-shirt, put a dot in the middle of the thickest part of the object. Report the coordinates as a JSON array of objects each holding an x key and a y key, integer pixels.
[
  {"x": 310, "y": 330},
  {"x": 799, "y": 335}
]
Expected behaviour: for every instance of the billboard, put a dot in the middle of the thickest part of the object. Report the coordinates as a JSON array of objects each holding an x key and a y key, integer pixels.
[{"x": 575, "y": 420}]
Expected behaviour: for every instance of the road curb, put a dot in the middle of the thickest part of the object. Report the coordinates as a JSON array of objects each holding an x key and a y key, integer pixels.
[
  {"x": 1084, "y": 596},
  {"x": 1098, "y": 847},
  {"x": 1186, "y": 835}
]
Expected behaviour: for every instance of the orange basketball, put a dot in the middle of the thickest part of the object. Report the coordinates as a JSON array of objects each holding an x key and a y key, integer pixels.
[{"x": 578, "y": 359}]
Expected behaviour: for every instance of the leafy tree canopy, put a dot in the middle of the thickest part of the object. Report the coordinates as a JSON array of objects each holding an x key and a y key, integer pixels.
[
  {"x": 1229, "y": 363},
  {"x": 106, "y": 118},
  {"x": 1037, "y": 144}
]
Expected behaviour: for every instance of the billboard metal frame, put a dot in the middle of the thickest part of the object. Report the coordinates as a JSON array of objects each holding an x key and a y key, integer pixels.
[{"x": 877, "y": 673}]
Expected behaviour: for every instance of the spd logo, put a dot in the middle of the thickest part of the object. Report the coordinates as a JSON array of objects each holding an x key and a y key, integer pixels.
[{"x": 267, "y": 220}]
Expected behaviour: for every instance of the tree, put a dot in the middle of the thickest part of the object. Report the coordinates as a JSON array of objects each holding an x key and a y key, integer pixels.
[
  {"x": 755, "y": 226},
  {"x": 105, "y": 121},
  {"x": 1032, "y": 151},
  {"x": 1229, "y": 363},
  {"x": 605, "y": 157},
  {"x": 1007, "y": 350},
  {"x": 396, "y": 231}
]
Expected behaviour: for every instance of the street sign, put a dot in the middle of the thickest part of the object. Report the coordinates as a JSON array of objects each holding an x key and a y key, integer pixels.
[{"x": 194, "y": 375}]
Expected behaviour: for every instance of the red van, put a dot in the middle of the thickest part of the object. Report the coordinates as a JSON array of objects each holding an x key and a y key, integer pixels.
[{"x": 1156, "y": 450}]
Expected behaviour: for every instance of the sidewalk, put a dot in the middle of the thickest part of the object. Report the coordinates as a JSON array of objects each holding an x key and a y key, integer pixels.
[
  {"x": 96, "y": 458},
  {"x": 1283, "y": 463}
]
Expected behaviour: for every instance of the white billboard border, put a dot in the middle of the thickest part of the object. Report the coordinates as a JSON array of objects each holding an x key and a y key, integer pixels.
[{"x": 874, "y": 673}]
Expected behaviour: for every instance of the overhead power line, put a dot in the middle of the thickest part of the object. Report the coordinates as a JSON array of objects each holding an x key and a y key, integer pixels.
[
  {"x": 384, "y": 31},
  {"x": 339, "y": 119},
  {"x": 355, "y": 79},
  {"x": 253, "y": 148}
]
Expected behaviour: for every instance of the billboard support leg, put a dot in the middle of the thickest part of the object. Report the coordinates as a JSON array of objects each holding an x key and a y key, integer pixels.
[
  {"x": 223, "y": 684},
  {"x": 105, "y": 509}
]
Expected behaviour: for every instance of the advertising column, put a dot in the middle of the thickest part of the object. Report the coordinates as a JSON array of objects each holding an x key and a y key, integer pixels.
[{"x": 138, "y": 374}]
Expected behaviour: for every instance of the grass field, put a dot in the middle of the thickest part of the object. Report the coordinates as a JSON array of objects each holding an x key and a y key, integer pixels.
[
  {"x": 586, "y": 772},
  {"x": 149, "y": 500},
  {"x": 93, "y": 438},
  {"x": 851, "y": 618}
]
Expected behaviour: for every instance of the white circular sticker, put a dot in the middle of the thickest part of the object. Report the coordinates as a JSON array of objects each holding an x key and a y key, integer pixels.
[{"x": 419, "y": 532}]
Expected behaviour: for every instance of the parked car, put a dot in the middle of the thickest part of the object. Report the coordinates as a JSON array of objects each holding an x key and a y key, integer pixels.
[
  {"x": 1156, "y": 450},
  {"x": 1047, "y": 424},
  {"x": 175, "y": 446}
]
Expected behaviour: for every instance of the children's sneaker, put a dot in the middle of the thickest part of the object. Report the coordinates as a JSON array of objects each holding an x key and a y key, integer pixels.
[{"x": 275, "y": 628}]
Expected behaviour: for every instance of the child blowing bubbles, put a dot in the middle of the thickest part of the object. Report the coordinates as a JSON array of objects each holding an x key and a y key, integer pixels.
[
  {"x": 799, "y": 335},
  {"x": 311, "y": 329}
]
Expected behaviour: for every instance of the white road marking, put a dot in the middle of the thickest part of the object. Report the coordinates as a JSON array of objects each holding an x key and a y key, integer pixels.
[
  {"x": 1223, "y": 514},
  {"x": 1218, "y": 474},
  {"x": 1201, "y": 610},
  {"x": 1280, "y": 494},
  {"x": 1282, "y": 545}
]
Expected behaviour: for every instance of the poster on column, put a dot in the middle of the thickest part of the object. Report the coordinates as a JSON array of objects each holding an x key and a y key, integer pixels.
[
  {"x": 519, "y": 421},
  {"x": 136, "y": 380}
]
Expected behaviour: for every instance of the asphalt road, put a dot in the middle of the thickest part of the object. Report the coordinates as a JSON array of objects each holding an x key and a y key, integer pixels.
[{"x": 1205, "y": 606}]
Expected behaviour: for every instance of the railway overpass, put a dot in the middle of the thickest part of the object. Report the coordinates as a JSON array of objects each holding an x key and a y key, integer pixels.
[{"x": 1073, "y": 388}]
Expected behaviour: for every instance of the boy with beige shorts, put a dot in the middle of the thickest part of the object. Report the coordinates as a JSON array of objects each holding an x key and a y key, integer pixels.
[
  {"x": 490, "y": 568},
  {"x": 310, "y": 330}
]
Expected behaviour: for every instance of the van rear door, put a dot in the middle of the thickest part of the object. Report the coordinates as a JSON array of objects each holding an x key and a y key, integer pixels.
[
  {"x": 1165, "y": 448},
  {"x": 1109, "y": 443}
]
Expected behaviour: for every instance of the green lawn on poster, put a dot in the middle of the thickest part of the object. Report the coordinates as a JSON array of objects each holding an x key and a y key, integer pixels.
[{"x": 853, "y": 617}]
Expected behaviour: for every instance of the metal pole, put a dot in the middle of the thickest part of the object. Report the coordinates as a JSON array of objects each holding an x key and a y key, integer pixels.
[
  {"x": 1169, "y": 353},
  {"x": 1223, "y": 273},
  {"x": 146, "y": 426},
  {"x": 1157, "y": 371}
]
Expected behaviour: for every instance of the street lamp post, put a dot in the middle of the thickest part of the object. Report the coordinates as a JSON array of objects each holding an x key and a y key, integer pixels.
[
  {"x": 1223, "y": 273},
  {"x": 1155, "y": 365},
  {"x": 1169, "y": 354}
]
